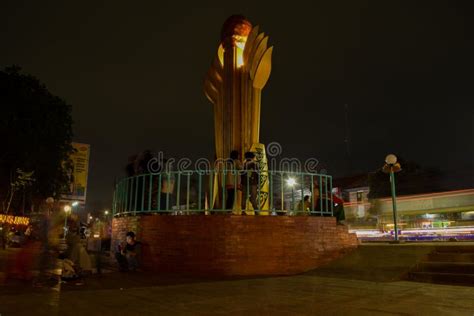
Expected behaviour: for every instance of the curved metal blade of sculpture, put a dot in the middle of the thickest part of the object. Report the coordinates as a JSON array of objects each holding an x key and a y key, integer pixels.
[
  {"x": 255, "y": 73},
  {"x": 213, "y": 89},
  {"x": 257, "y": 69}
]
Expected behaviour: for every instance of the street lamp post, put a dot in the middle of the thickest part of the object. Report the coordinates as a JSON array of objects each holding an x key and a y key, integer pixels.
[
  {"x": 391, "y": 166},
  {"x": 67, "y": 209}
]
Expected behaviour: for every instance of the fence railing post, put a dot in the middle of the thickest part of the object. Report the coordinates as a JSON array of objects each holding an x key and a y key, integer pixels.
[
  {"x": 143, "y": 194},
  {"x": 199, "y": 190},
  {"x": 178, "y": 191},
  {"x": 302, "y": 193},
  {"x": 331, "y": 201},
  {"x": 158, "y": 195},
  {"x": 326, "y": 196},
  {"x": 270, "y": 180},
  {"x": 150, "y": 192},
  {"x": 223, "y": 182},
  {"x": 312, "y": 193},
  {"x": 188, "y": 188},
  {"x": 282, "y": 192}
]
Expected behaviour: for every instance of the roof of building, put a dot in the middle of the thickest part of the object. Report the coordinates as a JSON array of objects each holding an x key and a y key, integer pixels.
[{"x": 352, "y": 182}]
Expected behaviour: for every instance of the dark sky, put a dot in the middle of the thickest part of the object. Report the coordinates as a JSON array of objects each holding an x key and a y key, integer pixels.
[{"x": 133, "y": 72}]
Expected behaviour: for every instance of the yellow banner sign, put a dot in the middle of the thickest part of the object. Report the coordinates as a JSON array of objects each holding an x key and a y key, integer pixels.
[{"x": 78, "y": 173}]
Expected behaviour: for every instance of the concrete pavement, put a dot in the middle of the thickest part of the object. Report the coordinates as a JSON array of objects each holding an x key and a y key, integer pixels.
[
  {"x": 368, "y": 281},
  {"x": 296, "y": 295}
]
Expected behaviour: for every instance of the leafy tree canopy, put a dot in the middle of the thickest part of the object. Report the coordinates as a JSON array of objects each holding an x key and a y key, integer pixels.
[{"x": 36, "y": 130}]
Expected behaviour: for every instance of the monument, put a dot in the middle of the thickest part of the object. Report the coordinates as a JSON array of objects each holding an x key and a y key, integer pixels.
[
  {"x": 234, "y": 83},
  {"x": 197, "y": 241}
]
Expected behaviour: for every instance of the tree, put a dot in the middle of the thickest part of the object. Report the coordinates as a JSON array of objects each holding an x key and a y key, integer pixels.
[
  {"x": 36, "y": 133},
  {"x": 22, "y": 180}
]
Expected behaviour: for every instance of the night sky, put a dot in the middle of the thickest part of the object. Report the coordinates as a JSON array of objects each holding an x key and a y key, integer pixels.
[{"x": 133, "y": 73}]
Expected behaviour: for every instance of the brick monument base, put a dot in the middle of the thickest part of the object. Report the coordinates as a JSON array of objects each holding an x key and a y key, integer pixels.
[{"x": 228, "y": 245}]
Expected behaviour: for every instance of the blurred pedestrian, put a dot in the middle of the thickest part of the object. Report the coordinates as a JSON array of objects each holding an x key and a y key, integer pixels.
[{"x": 46, "y": 260}]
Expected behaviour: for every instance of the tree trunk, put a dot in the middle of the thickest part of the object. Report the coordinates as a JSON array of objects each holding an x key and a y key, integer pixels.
[{"x": 10, "y": 201}]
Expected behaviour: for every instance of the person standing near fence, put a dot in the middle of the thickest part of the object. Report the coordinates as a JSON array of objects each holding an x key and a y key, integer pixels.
[
  {"x": 232, "y": 183},
  {"x": 304, "y": 206},
  {"x": 167, "y": 187},
  {"x": 249, "y": 182}
]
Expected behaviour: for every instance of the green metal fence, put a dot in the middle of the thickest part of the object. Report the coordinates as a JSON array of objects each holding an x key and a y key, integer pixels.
[{"x": 189, "y": 192}]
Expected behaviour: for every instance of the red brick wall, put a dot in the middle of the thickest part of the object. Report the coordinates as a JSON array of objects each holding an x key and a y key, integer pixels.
[{"x": 235, "y": 245}]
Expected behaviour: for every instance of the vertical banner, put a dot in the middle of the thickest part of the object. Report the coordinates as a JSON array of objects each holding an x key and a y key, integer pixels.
[
  {"x": 259, "y": 150},
  {"x": 78, "y": 173}
]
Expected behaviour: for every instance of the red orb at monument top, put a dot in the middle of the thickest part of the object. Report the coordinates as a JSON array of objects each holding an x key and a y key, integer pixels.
[{"x": 235, "y": 29}]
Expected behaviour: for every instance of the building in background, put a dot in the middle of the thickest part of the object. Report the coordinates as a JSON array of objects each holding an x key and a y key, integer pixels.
[
  {"x": 426, "y": 211},
  {"x": 354, "y": 191},
  {"x": 449, "y": 213}
]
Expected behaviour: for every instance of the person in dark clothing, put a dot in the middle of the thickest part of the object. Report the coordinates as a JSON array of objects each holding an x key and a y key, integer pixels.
[
  {"x": 128, "y": 255},
  {"x": 249, "y": 181},
  {"x": 304, "y": 206},
  {"x": 232, "y": 181},
  {"x": 339, "y": 209}
]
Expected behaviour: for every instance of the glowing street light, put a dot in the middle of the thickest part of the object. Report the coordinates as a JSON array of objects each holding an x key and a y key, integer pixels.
[
  {"x": 106, "y": 212},
  {"x": 75, "y": 203},
  {"x": 291, "y": 182}
]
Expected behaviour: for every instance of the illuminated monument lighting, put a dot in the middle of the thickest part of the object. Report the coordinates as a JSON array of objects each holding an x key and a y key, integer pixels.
[{"x": 234, "y": 84}]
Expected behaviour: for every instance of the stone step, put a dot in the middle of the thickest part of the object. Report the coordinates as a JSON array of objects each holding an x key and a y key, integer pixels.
[
  {"x": 442, "y": 278},
  {"x": 450, "y": 257},
  {"x": 446, "y": 267}
]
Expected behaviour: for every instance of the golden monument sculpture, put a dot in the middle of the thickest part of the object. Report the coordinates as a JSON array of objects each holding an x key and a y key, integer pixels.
[{"x": 234, "y": 84}]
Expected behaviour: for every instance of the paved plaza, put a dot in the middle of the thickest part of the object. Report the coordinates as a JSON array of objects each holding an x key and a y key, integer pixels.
[
  {"x": 366, "y": 282},
  {"x": 296, "y": 295}
]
